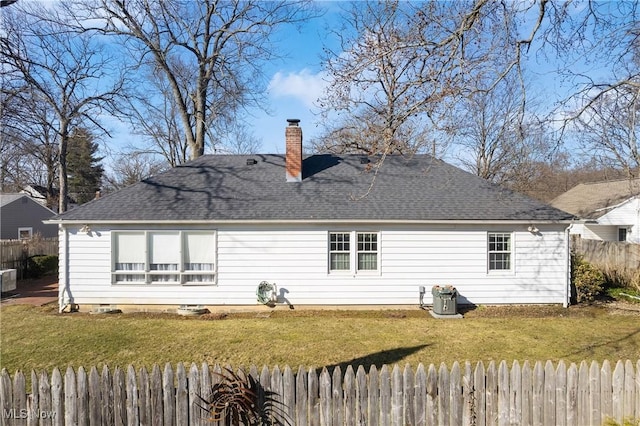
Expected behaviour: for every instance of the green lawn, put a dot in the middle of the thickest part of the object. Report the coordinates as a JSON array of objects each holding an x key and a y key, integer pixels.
[{"x": 40, "y": 338}]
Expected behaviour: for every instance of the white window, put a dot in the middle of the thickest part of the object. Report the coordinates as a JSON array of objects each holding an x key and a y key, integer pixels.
[
  {"x": 25, "y": 233},
  {"x": 499, "y": 251},
  {"x": 157, "y": 257},
  {"x": 130, "y": 253},
  {"x": 164, "y": 256},
  {"x": 367, "y": 251},
  {"x": 199, "y": 252},
  {"x": 339, "y": 251},
  {"x": 360, "y": 257}
]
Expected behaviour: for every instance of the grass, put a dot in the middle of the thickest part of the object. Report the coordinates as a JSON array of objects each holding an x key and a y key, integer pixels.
[{"x": 39, "y": 338}]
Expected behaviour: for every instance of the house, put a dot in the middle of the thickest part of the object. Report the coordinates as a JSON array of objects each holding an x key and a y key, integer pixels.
[
  {"x": 21, "y": 218},
  {"x": 39, "y": 194},
  {"x": 610, "y": 211},
  {"x": 324, "y": 229}
]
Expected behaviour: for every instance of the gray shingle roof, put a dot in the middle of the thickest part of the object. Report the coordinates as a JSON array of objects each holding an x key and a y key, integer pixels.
[
  {"x": 8, "y": 198},
  {"x": 592, "y": 200},
  {"x": 225, "y": 187}
]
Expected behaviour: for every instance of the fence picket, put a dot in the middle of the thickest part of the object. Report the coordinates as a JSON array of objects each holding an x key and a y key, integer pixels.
[
  {"x": 144, "y": 401},
  {"x": 182, "y": 396},
  {"x": 527, "y": 394},
  {"x": 595, "y": 414},
  {"x": 19, "y": 398},
  {"x": 349, "y": 397},
  {"x": 362, "y": 397},
  {"x": 44, "y": 395},
  {"x": 168, "y": 397},
  {"x": 314, "y": 398},
  {"x": 549, "y": 395},
  {"x": 82, "y": 389},
  {"x": 336, "y": 391},
  {"x": 326, "y": 403},
  {"x": 572, "y": 395},
  {"x": 374, "y": 397},
  {"x": 583, "y": 394},
  {"x": 629, "y": 390},
  {"x": 289, "y": 394},
  {"x": 491, "y": 392},
  {"x": 587, "y": 394},
  {"x": 301, "y": 397},
  {"x": 33, "y": 401},
  {"x": 455, "y": 392},
  {"x": 561, "y": 394},
  {"x": 396, "y": 396},
  {"x": 503, "y": 394},
  {"x": 385, "y": 396},
  {"x": 119, "y": 398},
  {"x": 420, "y": 391},
  {"x": 515, "y": 394}
]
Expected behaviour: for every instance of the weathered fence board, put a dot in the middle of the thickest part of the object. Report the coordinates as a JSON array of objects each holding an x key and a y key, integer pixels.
[
  {"x": 582, "y": 394},
  {"x": 14, "y": 253}
]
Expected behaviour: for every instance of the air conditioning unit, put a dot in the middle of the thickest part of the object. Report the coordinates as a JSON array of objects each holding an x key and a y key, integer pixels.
[{"x": 8, "y": 280}]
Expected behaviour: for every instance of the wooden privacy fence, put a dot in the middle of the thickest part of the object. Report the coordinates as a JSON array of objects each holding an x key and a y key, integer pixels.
[
  {"x": 538, "y": 394},
  {"x": 14, "y": 253},
  {"x": 608, "y": 255}
]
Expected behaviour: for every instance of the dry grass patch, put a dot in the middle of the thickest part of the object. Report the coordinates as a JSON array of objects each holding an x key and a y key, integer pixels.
[{"x": 40, "y": 338}]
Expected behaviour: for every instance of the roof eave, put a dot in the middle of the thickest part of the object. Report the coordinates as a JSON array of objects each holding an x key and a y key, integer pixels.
[{"x": 310, "y": 221}]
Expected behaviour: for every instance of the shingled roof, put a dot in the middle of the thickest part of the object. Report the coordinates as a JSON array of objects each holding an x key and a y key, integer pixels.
[
  {"x": 593, "y": 200},
  {"x": 340, "y": 188}
]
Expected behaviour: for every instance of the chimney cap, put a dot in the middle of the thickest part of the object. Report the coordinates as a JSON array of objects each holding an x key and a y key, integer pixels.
[{"x": 293, "y": 121}]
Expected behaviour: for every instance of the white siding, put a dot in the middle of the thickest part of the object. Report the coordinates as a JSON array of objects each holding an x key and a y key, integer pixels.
[
  {"x": 296, "y": 260},
  {"x": 626, "y": 215}
]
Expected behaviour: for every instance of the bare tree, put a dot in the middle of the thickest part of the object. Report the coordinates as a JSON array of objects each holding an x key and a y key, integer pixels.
[
  {"x": 209, "y": 52},
  {"x": 131, "y": 167},
  {"x": 67, "y": 71},
  {"x": 403, "y": 65},
  {"x": 610, "y": 127},
  {"x": 495, "y": 137}
]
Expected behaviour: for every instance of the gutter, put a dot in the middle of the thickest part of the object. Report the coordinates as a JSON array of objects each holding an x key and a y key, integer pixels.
[
  {"x": 567, "y": 287},
  {"x": 63, "y": 275},
  {"x": 307, "y": 221}
]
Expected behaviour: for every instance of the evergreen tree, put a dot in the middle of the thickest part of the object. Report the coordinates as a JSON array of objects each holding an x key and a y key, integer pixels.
[{"x": 83, "y": 164}]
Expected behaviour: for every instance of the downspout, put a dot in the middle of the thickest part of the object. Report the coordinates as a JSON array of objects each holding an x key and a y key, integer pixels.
[
  {"x": 63, "y": 274},
  {"x": 567, "y": 287}
]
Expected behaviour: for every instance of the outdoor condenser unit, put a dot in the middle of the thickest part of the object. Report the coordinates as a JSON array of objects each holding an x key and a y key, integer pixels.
[{"x": 8, "y": 280}]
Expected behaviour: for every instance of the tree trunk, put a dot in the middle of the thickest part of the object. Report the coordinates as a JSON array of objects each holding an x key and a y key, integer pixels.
[{"x": 64, "y": 190}]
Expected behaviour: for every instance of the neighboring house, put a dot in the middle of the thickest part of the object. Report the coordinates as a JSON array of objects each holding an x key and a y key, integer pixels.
[
  {"x": 326, "y": 229},
  {"x": 39, "y": 194},
  {"x": 21, "y": 218},
  {"x": 610, "y": 211}
]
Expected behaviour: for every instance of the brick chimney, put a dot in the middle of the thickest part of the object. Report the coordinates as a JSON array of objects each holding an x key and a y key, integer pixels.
[{"x": 293, "y": 158}]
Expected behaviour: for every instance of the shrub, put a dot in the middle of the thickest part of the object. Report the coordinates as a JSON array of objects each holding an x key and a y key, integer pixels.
[
  {"x": 40, "y": 265},
  {"x": 587, "y": 280}
]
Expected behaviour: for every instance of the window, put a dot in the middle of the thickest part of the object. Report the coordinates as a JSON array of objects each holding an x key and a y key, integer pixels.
[
  {"x": 367, "y": 251},
  {"x": 362, "y": 256},
  {"x": 339, "y": 251},
  {"x": 25, "y": 233},
  {"x": 499, "y": 251},
  {"x": 178, "y": 257},
  {"x": 199, "y": 252},
  {"x": 622, "y": 234},
  {"x": 130, "y": 257}
]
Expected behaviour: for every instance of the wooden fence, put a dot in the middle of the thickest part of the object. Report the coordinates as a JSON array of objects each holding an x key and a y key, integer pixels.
[
  {"x": 14, "y": 253},
  {"x": 608, "y": 254},
  {"x": 538, "y": 394}
]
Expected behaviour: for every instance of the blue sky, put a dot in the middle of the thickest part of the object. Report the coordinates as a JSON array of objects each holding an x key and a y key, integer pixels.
[{"x": 296, "y": 82}]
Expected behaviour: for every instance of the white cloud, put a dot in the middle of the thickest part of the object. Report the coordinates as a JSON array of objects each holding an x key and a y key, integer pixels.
[{"x": 303, "y": 85}]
